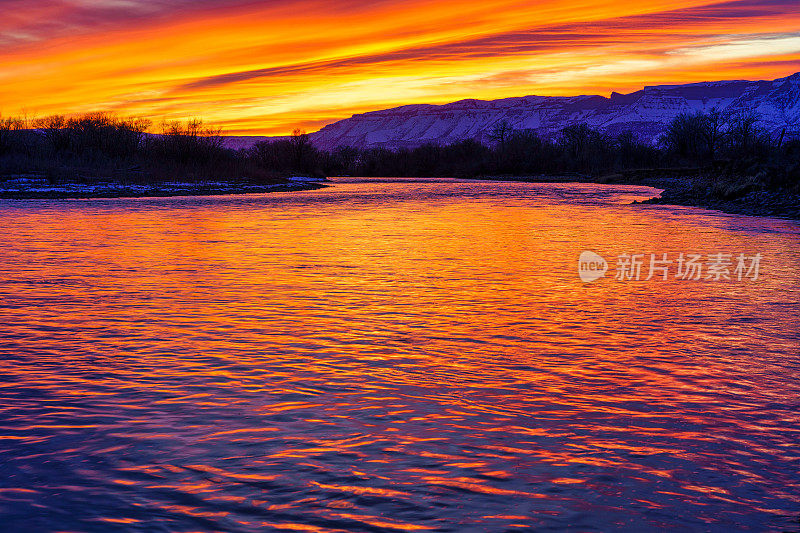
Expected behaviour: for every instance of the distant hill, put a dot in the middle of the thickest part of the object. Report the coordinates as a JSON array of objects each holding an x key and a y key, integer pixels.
[{"x": 644, "y": 112}]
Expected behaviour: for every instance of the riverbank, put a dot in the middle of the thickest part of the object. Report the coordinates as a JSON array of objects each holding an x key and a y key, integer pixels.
[
  {"x": 744, "y": 196},
  {"x": 32, "y": 187},
  {"x": 688, "y": 187},
  {"x": 741, "y": 196}
]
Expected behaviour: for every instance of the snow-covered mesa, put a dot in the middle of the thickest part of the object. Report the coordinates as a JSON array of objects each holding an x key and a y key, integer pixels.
[{"x": 645, "y": 113}]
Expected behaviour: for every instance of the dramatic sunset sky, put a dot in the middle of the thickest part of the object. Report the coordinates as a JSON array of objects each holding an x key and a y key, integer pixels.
[{"x": 266, "y": 67}]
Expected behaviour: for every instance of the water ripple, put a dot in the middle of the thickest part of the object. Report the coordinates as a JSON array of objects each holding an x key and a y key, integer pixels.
[{"x": 392, "y": 355}]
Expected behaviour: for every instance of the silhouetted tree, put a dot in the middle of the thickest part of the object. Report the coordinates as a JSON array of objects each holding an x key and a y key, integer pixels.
[
  {"x": 684, "y": 137},
  {"x": 525, "y": 153},
  {"x": 585, "y": 149},
  {"x": 712, "y": 128},
  {"x": 500, "y": 133},
  {"x": 696, "y": 136},
  {"x": 631, "y": 153},
  {"x": 55, "y": 130},
  {"x": 303, "y": 151},
  {"x": 192, "y": 144},
  {"x": 744, "y": 136},
  {"x": 8, "y": 125}
]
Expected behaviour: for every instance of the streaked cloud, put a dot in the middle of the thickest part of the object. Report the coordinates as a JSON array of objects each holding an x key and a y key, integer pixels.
[{"x": 268, "y": 66}]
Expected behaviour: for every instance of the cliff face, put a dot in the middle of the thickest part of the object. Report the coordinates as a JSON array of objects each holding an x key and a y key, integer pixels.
[{"x": 644, "y": 112}]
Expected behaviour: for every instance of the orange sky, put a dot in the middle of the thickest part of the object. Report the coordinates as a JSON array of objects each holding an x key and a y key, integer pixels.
[{"x": 270, "y": 66}]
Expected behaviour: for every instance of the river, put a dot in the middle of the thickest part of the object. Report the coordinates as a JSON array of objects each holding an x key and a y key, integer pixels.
[{"x": 395, "y": 355}]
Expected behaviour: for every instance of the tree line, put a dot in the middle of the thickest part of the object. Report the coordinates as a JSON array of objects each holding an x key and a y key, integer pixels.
[
  {"x": 734, "y": 144},
  {"x": 99, "y": 146},
  {"x": 100, "y": 142}
]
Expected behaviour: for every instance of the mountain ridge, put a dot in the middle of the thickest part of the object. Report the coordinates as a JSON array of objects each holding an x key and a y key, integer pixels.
[{"x": 645, "y": 112}]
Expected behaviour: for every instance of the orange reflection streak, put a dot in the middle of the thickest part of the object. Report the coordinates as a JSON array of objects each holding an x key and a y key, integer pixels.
[
  {"x": 361, "y": 490},
  {"x": 383, "y": 523},
  {"x": 260, "y": 69},
  {"x": 364, "y": 344},
  {"x": 477, "y": 486}
]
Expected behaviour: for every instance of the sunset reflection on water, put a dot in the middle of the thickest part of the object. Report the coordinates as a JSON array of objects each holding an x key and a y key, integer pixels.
[{"x": 392, "y": 355}]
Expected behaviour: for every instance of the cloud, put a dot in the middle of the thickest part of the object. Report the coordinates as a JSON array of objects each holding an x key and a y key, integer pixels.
[
  {"x": 651, "y": 30},
  {"x": 43, "y": 20},
  {"x": 282, "y": 62},
  {"x": 761, "y": 46}
]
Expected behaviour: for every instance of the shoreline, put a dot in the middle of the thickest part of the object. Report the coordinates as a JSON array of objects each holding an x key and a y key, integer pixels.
[
  {"x": 681, "y": 187},
  {"x": 738, "y": 197},
  {"x": 37, "y": 189}
]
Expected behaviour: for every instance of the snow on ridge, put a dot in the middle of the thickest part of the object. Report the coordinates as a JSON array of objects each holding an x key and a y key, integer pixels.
[{"x": 645, "y": 112}]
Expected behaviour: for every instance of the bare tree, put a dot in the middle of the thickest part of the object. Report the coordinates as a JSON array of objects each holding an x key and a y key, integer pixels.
[
  {"x": 712, "y": 130},
  {"x": 55, "y": 131},
  {"x": 743, "y": 133},
  {"x": 8, "y": 125},
  {"x": 302, "y": 148},
  {"x": 191, "y": 143},
  {"x": 688, "y": 136},
  {"x": 500, "y": 133},
  {"x": 586, "y": 149}
]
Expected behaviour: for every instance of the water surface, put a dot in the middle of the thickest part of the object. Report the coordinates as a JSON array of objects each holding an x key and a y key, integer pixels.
[{"x": 390, "y": 355}]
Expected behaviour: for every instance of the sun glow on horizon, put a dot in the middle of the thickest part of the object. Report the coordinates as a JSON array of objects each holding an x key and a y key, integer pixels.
[{"x": 269, "y": 67}]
